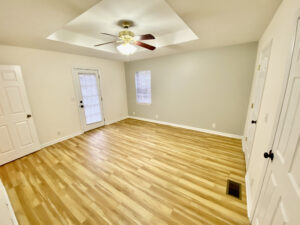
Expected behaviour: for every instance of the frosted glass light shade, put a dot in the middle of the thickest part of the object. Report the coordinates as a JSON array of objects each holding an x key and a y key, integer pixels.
[{"x": 126, "y": 49}]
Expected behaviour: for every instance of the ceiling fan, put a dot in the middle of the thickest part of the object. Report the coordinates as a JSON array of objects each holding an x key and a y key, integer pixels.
[{"x": 127, "y": 41}]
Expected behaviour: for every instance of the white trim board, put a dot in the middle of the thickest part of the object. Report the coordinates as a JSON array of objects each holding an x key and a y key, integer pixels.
[
  {"x": 248, "y": 195},
  {"x": 44, "y": 145},
  {"x": 11, "y": 215},
  {"x": 115, "y": 121},
  {"x": 188, "y": 127}
]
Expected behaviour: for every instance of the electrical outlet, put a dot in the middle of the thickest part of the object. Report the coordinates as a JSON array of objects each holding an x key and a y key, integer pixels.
[
  {"x": 58, "y": 133},
  {"x": 213, "y": 125},
  {"x": 156, "y": 116},
  {"x": 133, "y": 113}
]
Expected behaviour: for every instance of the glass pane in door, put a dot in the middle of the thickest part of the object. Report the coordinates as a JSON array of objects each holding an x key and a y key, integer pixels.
[{"x": 90, "y": 98}]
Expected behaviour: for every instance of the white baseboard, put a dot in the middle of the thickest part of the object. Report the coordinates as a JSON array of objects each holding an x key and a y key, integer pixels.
[
  {"x": 115, "y": 121},
  {"x": 44, "y": 145},
  {"x": 188, "y": 127},
  {"x": 248, "y": 195}
]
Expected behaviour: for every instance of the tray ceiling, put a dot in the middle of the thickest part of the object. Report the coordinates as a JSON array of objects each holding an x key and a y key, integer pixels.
[
  {"x": 155, "y": 17},
  {"x": 215, "y": 23}
]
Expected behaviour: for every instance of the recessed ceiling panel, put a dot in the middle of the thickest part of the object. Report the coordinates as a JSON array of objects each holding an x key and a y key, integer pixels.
[{"x": 155, "y": 17}]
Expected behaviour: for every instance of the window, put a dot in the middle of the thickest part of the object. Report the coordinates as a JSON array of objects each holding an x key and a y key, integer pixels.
[
  {"x": 90, "y": 97},
  {"x": 143, "y": 87}
]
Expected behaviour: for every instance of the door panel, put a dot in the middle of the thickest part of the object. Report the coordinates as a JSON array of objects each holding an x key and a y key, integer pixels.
[
  {"x": 14, "y": 99},
  {"x": 294, "y": 169},
  {"x": 9, "y": 76},
  {"x": 24, "y": 133},
  {"x": 283, "y": 207},
  {"x": 1, "y": 112},
  {"x": 279, "y": 215},
  {"x": 5, "y": 140},
  {"x": 290, "y": 120},
  {"x": 18, "y": 135},
  {"x": 269, "y": 195}
]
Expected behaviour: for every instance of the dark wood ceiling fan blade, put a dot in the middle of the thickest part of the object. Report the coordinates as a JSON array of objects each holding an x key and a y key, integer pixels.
[
  {"x": 144, "y": 45},
  {"x": 109, "y": 35},
  {"x": 104, "y": 43},
  {"x": 144, "y": 37}
]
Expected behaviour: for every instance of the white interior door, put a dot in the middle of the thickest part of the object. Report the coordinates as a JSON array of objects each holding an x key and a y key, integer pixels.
[
  {"x": 89, "y": 98},
  {"x": 18, "y": 135},
  {"x": 279, "y": 201},
  {"x": 256, "y": 101}
]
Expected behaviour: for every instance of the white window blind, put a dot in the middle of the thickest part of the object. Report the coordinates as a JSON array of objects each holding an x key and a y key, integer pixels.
[{"x": 143, "y": 87}]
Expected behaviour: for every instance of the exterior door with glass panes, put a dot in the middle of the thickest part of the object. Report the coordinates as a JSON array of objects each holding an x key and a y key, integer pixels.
[{"x": 89, "y": 98}]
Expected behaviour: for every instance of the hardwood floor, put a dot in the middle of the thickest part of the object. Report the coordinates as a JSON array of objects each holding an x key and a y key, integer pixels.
[{"x": 130, "y": 172}]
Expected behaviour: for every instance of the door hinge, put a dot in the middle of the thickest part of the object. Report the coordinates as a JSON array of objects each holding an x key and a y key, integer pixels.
[
  {"x": 258, "y": 67},
  {"x": 252, "y": 105}
]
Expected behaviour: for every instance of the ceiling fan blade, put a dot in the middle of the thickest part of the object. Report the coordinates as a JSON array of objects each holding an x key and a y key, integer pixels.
[
  {"x": 144, "y": 45},
  {"x": 109, "y": 35},
  {"x": 104, "y": 43},
  {"x": 144, "y": 37}
]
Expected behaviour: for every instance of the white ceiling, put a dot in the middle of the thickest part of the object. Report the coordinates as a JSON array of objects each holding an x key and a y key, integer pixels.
[
  {"x": 104, "y": 17},
  {"x": 215, "y": 22}
]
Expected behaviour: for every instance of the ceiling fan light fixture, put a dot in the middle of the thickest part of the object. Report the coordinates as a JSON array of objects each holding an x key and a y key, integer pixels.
[{"x": 126, "y": 48}]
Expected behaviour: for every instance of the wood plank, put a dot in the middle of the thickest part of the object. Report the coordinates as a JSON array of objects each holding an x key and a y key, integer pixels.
[{"x": 130, "y": 172}]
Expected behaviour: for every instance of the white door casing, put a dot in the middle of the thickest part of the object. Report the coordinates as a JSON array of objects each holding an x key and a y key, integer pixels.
[
  {"x": 88, "y": 92},
  {"x": 256, "y": 100},
  {"x": 7, "y": 214},
  {"x": 18, "y": 136},
  {"x": 279, "y": 201}
]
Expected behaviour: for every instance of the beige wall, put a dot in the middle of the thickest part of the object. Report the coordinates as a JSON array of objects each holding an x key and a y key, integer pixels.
[
  {"x": 281, "y": 32},
  {"x": 49, "y": 83},
  {"x": 198, "y": 88}
]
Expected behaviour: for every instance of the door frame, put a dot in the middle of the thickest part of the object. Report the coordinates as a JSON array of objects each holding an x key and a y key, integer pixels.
[
  {"x": 268, "y": 44},
  {"x": 279, "y": 109},
  {"x": 77, "y": 90}
]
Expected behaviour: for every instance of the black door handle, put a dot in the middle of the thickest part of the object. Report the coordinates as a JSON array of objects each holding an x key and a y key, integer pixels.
[
  {"x": 82, "y": 106},
  {"x": 28, "y": 116},
  {"x": 269, "y": 155},
  {"x": 253, "y": 121}
]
